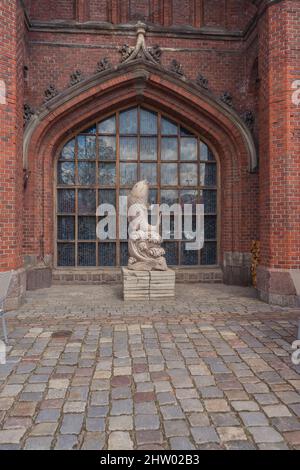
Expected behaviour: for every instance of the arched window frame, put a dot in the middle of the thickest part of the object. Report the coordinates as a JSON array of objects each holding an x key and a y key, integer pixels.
[{"x": 121, "y": 258}]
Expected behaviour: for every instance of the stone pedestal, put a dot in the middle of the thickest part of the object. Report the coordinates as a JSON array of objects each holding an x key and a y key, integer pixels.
[{"x": 144, "y": 285}]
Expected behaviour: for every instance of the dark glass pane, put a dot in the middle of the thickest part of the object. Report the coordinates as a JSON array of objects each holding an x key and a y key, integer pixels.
[
  {"x": 153, "y": 196},
  {"x": 66, "y": 200},
  {"x": 66, "y": 173},
  {"x": 209, "y": 199},
  {"x": 86, "y": 228},
  {"x": 107, "y": 196},
  {"x": 90, "y": 130},
  {"x": 188, "y": 257},
  {"x": 86, "y": 147},
  {"x": 66, "y": 254},
  {"x": 189, "y": 233},
  {"x": 87, "y": 201},
  {"x": 86, "y": 254},
  {"x": 205, "y": 153},
  {"x": 128, "y": 173},
  {"x": 124, "y": 253},
  {"x": 171, "y": 253},
  {"x": 188, "y": 148},
  {"x": 128, "y": 122},
  {"x": 168, "y": 127},
  {"x": 86, "y": 173},
  {"x": 185, "y": 132},
  {"x": 169, "y": 148},
  {"x": 210, "y": 227},
  {"x": 108, "y": 126},
  {"x": 107, "y": 174},
  {"x": 189, "y": 196},
  {"x": 209, "y": 253},
  {"x": 169, "y": 176},
  {"x": 128, "y": 148},
  {"x": 148, "y": 148},
  {"x": 169, "y": 196},
  {"x": 189, "y": 174},
  {"x": 107, "y": 254},
  {"x": 107, "y": 148},
  {"x": 208, "y": 174},
  {"x": 68, "y": 152},
  {"x": 149, "y": 172},
  {"x": 148, "y": 123},
  {"x": 66, "y": 228}
]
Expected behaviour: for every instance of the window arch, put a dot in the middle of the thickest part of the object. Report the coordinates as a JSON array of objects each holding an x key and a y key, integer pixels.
[{"x": 102, "y": 162}]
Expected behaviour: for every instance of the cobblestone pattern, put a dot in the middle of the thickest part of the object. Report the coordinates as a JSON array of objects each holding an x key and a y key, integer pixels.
[{"x": 218, "y": 375}]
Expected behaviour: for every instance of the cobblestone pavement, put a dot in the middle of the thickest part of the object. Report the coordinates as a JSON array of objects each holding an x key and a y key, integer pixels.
[{"x": 211, "y": 370}]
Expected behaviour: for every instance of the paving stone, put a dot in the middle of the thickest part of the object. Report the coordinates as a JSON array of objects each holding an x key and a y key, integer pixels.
[
  {"x": 254, "y": 418},
  {"x": 293, "y": 438},
  {"x": 265, "y": 434},
  {"x": 176, "y": 428},
  {"x": 71, "y": 424},
  {"x": 95, "y": 424},
  {"x": 198, "y": 419},
  {"x": 149, "y": 437},
  {"x": 191, "y": 405},
  {"x": 246, "y": 405},
  {"x": 239, "y": 445},
  {"x": 66, "y": 442},
  {"x": 93, "y": 441},
  {"x": 38, "y": 443},
  {"x": 43, "y": 429},
  {"x": 120, "y": 423},
  {"x": 121, "y": 407},
  {"x": 145, "y": 422},
  {"x": 275, "y": 411},
  {"x": 216, "y": 405},
  {"x": 204, "y": 435},
  {"x": 23, "y": 409},
  {"x": 74, "y": 407},
  {"x": 284, "y": 424},
  {"x": 181, "y": 443},
  {"x": 141, "y": 397},
  {"x": 224, "y": 419},
  {"x": 231, "y": 434},
  {"x": 11, "y": 436},
  {"x": 120, "y": 441},
  {"x": 171, "y": 412}
]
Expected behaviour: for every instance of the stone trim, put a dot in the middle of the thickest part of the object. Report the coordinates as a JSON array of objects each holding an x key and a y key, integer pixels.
[
  {"x": 16, "y": 290},
  {"x": 237, "y": 268}
]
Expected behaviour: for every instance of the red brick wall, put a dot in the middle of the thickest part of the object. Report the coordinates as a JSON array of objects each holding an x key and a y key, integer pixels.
[
  {"x": 279, "y": 63},
  {"x": 11, "y": 133}
]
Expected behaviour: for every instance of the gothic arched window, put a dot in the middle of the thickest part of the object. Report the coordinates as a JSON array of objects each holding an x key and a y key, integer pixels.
[{"x": 102, "y": 162}]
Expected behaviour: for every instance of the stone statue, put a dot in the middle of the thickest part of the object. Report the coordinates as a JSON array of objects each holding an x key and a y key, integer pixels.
[{"x": 145, "y": 252}]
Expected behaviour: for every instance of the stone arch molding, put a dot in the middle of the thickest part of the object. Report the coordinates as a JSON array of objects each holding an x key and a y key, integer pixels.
[{"x": 139, "y": 80}]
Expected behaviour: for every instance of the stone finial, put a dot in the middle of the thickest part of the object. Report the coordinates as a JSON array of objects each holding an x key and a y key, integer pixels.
[
  {"x": 103, "y": 64},
  {"x": 202, "y": 81},
  {"x": 176, "y": 67},
  {"x": 227, "y": 98},
  {"x": 140, "y": 51},
  {"x": 76, "y": 77},
  {"x": 27, "y": 113}
]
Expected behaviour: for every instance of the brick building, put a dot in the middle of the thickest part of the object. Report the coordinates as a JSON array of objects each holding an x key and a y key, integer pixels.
[{"x": 201, "y": 97}]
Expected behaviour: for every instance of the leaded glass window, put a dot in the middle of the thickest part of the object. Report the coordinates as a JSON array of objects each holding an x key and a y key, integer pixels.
[{"x": 103, "y": 161}]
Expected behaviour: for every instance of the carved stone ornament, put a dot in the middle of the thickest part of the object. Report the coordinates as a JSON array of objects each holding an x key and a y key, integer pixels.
[
  {"x": 249, "y": 119},
  {"x": 103, "y": 64},
  {"x": 76, "y": 77},
  {"x": 27, "y": 113},
  {"x": 202, "y": 81},
  {"x": 140, "y": 51},
  {"x": 50, "y": 93},
  {"x": 145, "y": 252},
  {"x": 227, "y": 99},
  {"x": 176, "y": 67}
]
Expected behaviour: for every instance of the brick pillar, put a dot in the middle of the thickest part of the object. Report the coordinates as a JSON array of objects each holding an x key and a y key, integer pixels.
[
  {"x": 279, "y": 62},
  {"x": 11, "y": 136}
]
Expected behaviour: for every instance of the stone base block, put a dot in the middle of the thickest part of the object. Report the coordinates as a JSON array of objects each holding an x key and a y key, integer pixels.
[
  {"x": 16, "y": 291},
  {"x": 237, "y": 268},
  {"x": 39, "y": 278},
  {"x": 144, "y": 285},
  {"x": 279, "y": 287}
]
